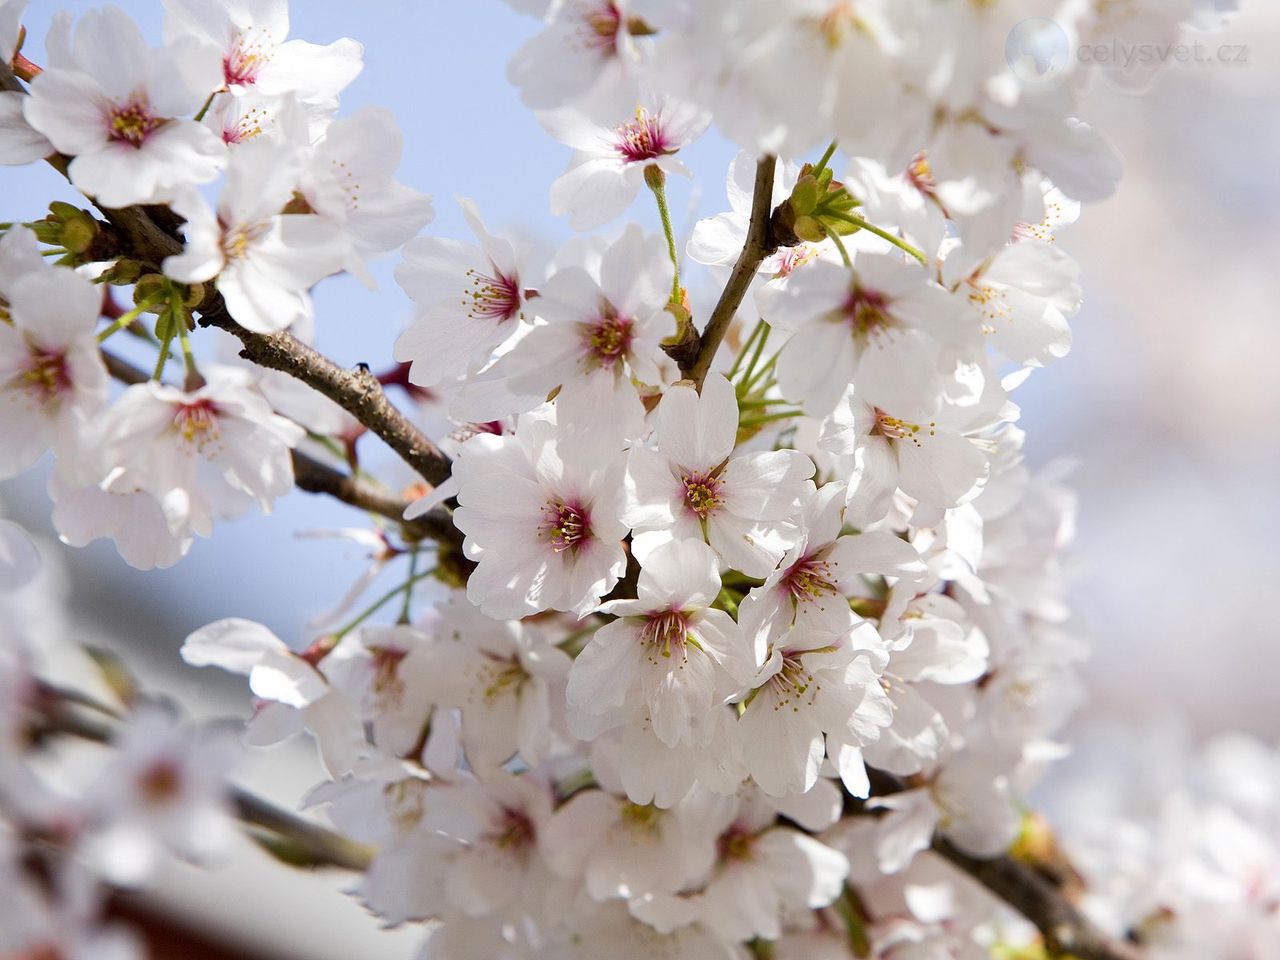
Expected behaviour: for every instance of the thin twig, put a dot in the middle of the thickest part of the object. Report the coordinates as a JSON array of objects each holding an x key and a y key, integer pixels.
[{"x": 759, "y": 244}]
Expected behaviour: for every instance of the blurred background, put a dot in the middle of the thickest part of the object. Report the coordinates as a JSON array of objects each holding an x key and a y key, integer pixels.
[{"x": 1169, "y": 404}]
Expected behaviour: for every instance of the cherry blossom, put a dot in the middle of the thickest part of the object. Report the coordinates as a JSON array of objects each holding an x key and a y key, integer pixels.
[
  {"x": 249, "y": 36},
  {"x": 52, "y": 381},
  {"x": 469, "y": 299},
  {"x": 693, "y": 486},
  {"x": 203, "y": 454},
  {"x": 263, "y": 261},
  {"x": 558, "y": 544},
  {"x": 668, "y": 650},
  {"x": 611, "y": 164},
  {"x": 115, "y": 105}
]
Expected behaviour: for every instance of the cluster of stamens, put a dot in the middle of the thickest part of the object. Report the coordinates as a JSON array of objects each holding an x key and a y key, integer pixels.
[
  {"x": 736, "y": 843},
  {"x": 991, "y": 303},
  {"x": 197, "y": 423},
  {"x": 601, "y": 24},
  {"x": 44, "y": 377},
  {"x": 248, "y": 56},
  {"x": 495, "y": 297},
  {"x": 514, "y": 832},
  {"x": 160, "y": 783},
  {"x": 608, "y": 339},
  {"x": 867, "y": 312},
  {"x": 808, "y": 580},
  {"x": 839, "y": 22},
  {"x": 236, "y": 243},
  {"x": 386, "y": 673},
  {"x": 920, "y": 175},
  {"x": 702, "y": 493},
  {"x": 247, "y": 127},
  {"x": 665, "y": 635},
  {"x": 641, "y": 139},
  {"x": 641, "y": 817},
  {"x": 892, "y": 428},
  {"x": 792, "y": 258},
  {"x": 565, "y": 526},
  {"x": 132, "y": 121},
  {"x": 499, "y": 676},
  {"x": 793, "y": 685}
]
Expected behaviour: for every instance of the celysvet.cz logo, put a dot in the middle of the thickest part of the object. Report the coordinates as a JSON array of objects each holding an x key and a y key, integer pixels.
[{"x": 1039, "y": 50}]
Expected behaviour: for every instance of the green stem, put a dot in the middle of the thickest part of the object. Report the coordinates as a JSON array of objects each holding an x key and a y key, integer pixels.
[
  {"x": 765, "y": 369},
  {"x": 380, "y": 603},
  {"x": 408, "y": 593},
  {"x": 769, "y": 418},
  {"x": 165, "y": 344},
  {"x": 751, "y": 339},
  {"x": 55, "y": 252},
  {"x": 835, "y": 238},
  {"x": 205, "y": 109},
  {"x": 826, "y": 158},
  {"x": 883, "y": 234},
  {"x": 188, "y": 358},
  {"x": 749, "y": 376},
  {"x": 657, "y": 182},
  {"x": 123, "y": 321}
]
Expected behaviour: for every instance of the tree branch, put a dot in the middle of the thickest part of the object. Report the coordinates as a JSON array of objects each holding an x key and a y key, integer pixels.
[
  {"x": 356, "y": 391},
  {"x": 1067, "y": 933},
  {"x": 151, "y": 234},
  {"x": 315, "y": 477},
  {"x": 759, "y": 244}
]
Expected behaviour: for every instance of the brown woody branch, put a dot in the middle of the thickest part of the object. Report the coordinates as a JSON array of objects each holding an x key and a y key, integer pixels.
[
  {"x": 1066, "y": 932},
  {"x": 759, "y": 244},
  {"x": 151, "y": 235}
]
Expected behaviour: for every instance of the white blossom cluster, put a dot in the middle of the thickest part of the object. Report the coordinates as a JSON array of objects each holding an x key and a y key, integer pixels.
[
  {"x": 725, "y": 653},
  {"x": 68, "y": 837},
  {"x": 1181, "y": 846}
]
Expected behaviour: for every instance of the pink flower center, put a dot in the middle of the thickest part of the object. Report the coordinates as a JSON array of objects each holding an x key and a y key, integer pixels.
[
  {"x": 665, "y": 635},
  {"x": 45, "y": 376},
  {"x": 867, "y": 311},
  {"x": 132, "y": 121},
  {"x": 494, "y": 297},
  {"x": 161, "y": 783},
  {"x": 600, "y": 25},
  {"x": 566, "y": 526},
  {"x": 790, "y": 259},
  {"x": 608, "y": 339},
  {"x": 641, "y": 139},
  {"x": 920, "y": 175},
  {"x": 702, "y": 493},
  {"x": 197, "y": 422},
  {"x": 514, "y": 831},
  {"x": 808, "y": 579},
  {"x": 248, "y": 56},
  {"x": 891, "y": 428},
  {"x": 248, "y": 126},
  {"x": 736, "y": 843}
]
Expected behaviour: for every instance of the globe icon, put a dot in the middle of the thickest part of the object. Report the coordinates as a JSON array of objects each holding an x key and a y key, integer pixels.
[{"x": 1037, "y": 50}]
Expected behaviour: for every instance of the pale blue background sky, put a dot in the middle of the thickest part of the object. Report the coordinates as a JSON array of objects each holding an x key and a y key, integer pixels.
[{"x": 1169, "y": 399}]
